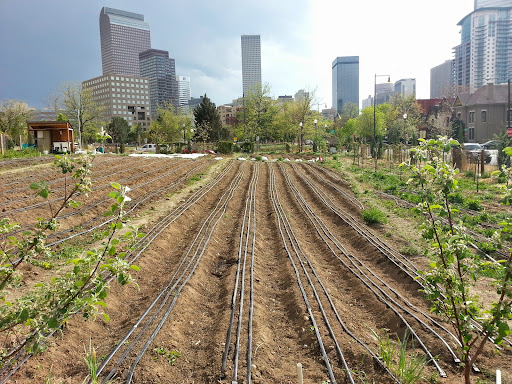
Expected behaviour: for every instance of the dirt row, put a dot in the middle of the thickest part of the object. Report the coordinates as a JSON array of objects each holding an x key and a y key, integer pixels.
[{"x": 283, "y": 334}]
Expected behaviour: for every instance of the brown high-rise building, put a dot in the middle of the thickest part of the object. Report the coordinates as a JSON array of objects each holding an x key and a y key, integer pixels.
[{"x": 123, "y": 36}]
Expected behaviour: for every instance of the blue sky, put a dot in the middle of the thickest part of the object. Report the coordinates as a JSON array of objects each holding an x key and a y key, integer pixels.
[{"x": 46, "y": 43}]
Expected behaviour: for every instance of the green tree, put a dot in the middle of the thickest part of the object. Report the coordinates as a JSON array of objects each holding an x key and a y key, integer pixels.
[
  {"x": 407, "y": 117},
  {"x": 118, "y": 129},
  {"x": 260, "y": 111},
  {"x": 365, "y": 125},
  {"x": 454, "y": 269},
  {"x": 347, "y": 132},
  {"x": 208, "y": 123},
  {"x": 167, "y": 128},
  {"x": 136, "y": 133},
  {"x": 13, "y": 119},
  {"x": 301, "y": 113}
]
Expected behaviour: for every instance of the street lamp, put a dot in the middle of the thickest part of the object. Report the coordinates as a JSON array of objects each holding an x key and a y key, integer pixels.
[
  {"x": 374, "y": 118},
  {"x": 316, "y": 138},
  {"x": 184, "y": 133},
  {"x": 300, "y": 137}
]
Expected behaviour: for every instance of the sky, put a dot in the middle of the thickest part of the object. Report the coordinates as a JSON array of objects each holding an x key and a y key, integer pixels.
[{"x": 47, "y": 43}]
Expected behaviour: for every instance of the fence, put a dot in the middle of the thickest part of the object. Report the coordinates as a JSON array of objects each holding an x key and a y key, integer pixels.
[{"x": 394, "y": 155}]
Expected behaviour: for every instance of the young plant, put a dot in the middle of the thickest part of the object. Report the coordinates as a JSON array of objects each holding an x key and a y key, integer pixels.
[
  {"x": 454, "y": 268},
  {"x": 29, "y": 319}
]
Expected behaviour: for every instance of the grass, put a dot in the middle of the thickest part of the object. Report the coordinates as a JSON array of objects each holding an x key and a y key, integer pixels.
[
  {"x": 408, "y": 367},
  {"x": 23, "y": 153},
  {"x": 373, "y": 216}
]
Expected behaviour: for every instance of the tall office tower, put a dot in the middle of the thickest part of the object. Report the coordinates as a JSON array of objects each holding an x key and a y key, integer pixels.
[
  {"x": 160, "y": 69},
  {"x": 441, "y": 80},
  {"x": 183, "y": 91},
  {"x": 122, "y": 96},
  {"x": 123, "y": 36},
  {"x": 251, "y": 62},
  {"x": 405, "y": 87},
  {"x": 485, "y": 53},
  {"x": 383, "y": 93},
  {"x": 492, "y": 3},
  {"x": 345, "y": 81}
]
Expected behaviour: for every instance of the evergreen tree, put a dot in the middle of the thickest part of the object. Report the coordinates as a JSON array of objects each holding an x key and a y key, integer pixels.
[
  {"x": 207, "y": 121},
  {"x": 118, "y": 129}
]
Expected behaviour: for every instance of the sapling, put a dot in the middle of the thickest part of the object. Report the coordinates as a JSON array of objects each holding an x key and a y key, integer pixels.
[
  {"x": 454, "y": 267},
  {"x": 29, "y": 319}
]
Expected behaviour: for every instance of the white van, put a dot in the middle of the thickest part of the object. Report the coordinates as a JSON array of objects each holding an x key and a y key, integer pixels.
[{"x": 148, "y": 148}]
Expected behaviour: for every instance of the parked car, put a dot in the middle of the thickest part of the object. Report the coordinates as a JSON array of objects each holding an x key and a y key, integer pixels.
[
  {"x": 474, "y": 150},
  {"x": 308, "y": 142},
  {"x": 148, "y": 148},
  {"x": 491, "y": 144}
]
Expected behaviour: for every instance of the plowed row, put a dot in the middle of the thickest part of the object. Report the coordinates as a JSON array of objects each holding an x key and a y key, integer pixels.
[{"x": 282, "y": 326}]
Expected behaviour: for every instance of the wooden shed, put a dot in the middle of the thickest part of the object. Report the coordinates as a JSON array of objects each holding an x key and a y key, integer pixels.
[{"x": 52, "y": 136}]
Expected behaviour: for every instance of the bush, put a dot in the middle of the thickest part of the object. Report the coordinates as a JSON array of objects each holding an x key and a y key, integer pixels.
[
  {"x": 373, "y": 216},
  {"x": 288, "y": 148},
  {"x": 225, "y": 147},
  {"x": 247, "y": 147},
  {"x": 236, "y": 148},
  {"x": 474, "y": 205}
]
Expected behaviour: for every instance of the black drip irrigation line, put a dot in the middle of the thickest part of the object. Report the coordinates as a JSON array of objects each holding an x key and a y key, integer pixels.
[
  {"x": 197, "y": 249},
  {"x": 141, "y": 245},
  {"x": 284, "y": 226},
  {"x": 316, "y": 221},
  {"x": 341, "y": 215},
  {"x": 248, "y": 222}
]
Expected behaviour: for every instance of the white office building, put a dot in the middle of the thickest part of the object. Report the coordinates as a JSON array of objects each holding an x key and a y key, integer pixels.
[
  {"x": 183, "y": 91},
  {"x": 251, "y": 62}
]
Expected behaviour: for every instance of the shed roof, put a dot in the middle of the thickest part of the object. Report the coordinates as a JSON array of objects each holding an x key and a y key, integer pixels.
[{"x": 49, "y": 124}]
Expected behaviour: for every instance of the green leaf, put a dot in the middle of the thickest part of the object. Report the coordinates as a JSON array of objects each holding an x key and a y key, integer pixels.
[
  {"x": 44, "y": 193},
  {"x": 34, "y": 186},
  {"x": 503, "y": 330},
  {"x": 119, "y": 225},
  {"x": 116, "y": 185},
  {"x": 53, "y": 323},
  {"x": 135, "y": 267},
  {"x": 107, "y": 318},
  {"x": 24, "y": 315},
  {"x": 113, "y": 194}
]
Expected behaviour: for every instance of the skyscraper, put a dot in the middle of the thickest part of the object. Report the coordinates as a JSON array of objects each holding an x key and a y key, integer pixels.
[
  {"x": 345, "y": 81},
  {"x": 160, "y": 69},
  {"x": 441, "y": 80},
  {"x": 251, "y": 62},
  {"x": 405, "y": 87},
  {"x": 485, "y": 53},
  {"x": 492, "y": 3},
  {"x": 123, "y": 36},
  {"x": 183, "y": 91}
]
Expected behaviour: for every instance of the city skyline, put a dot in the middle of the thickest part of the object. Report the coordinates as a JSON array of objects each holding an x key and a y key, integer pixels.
[{"x": 298, "y": 40}]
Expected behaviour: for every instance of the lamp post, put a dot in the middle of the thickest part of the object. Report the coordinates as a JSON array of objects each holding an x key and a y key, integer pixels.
[
  {"x": 374, "y": 118},
  {"x": 184, "y": 133},
  {"x": 300, "y": 137},
  {"x": 316, "y": 138}
]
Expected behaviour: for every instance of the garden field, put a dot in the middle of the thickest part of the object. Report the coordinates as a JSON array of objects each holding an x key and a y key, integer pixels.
[{"x": 246, "y": 269}]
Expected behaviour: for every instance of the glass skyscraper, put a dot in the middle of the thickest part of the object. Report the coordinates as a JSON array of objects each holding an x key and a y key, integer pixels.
[
  {"x": 485, "y": 53},
  {"x": 345, "y": 81},
  {"x": 123, "y": 36},
  {"x": 251, "y": 62},
  {"x": 160, "y": 69}
]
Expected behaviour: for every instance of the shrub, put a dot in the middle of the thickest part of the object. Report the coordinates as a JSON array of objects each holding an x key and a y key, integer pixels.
[
  {"x": 373, "y": 216},
  {"x": 225, "y": 147},
  {"x": 247, "y": 147},
  {"x": 474, "y": 205}
]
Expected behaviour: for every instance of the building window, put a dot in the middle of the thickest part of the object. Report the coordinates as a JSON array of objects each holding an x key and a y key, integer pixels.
[
  {"x": 471, "y": 117},
  {"x": 471, "y": 132},
  {"x": 484, "y": 116}
]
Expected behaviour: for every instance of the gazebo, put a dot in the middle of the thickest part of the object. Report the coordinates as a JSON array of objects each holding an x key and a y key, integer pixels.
[{"x": 52, "y": 136}]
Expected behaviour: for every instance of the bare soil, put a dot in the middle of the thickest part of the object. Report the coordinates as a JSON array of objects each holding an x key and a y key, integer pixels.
[{"x": 282, "y": 329}]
